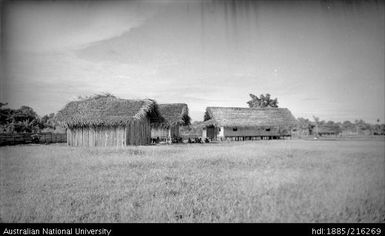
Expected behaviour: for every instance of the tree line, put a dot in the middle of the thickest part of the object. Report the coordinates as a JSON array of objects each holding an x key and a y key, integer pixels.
[
  {"x": 316, "y": 126},
  {"x": 24, "y": 120},
  {"x": 357, "y": 127}
]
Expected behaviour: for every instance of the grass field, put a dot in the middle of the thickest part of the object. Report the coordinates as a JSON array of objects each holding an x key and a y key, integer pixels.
[{"x": 261, "y": 181}]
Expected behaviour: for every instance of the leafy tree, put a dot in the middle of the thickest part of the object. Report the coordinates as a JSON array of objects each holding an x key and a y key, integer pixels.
[
  {"x": 48, "y": 121},
  {"x": 206, "y": 116},
  {"x": 25, "y": 126},
  {"x": 186, "y": 120},
  {"x": 333, "y": 126},
  {"x": 3, "y": 104},
  {"x": 5, "y": 114},
  {"x": 20, "y": 120},
  {"x": 262, "y": 101},
  {"x": 347, "y": 125},
  {"x": 304, "y": 125},
  {"x": 382, "y": 129},
  {"x": 361, "y": 125},
  {"x": 24, "y": 113}
]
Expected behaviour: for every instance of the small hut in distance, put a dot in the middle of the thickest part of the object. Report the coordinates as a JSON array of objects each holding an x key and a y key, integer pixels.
[
  {"x": 326, "y": 130},
  {"x": 105, "y": 120},
  {"x": 175, "y": 115}
]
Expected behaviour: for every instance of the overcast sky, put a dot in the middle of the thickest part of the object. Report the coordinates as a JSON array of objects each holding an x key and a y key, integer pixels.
[{"x": 317, "y": 57}]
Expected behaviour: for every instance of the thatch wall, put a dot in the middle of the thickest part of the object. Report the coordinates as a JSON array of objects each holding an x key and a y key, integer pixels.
[{"x": 137, "y": 132}]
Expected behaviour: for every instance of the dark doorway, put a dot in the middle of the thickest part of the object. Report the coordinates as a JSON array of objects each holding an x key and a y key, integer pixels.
[{"x": 211, "y": 132}]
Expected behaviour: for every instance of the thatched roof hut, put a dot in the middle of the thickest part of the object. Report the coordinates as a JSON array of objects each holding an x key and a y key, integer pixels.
[
  {"x": 107, "y": 111},
  {"x": 246, "y": 117},
  {"x": 192, "y": 131},
  {"x": 326, "y": 129},
  {"x": 106, "y": 115},
  {"x": 249, "y": 122},
  {"x": 175, "y": 115}
]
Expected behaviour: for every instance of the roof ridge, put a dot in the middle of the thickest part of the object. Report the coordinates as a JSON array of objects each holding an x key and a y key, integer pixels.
[
  {"x": 170, "y": 104},
  {"x": 250, "y": 108}
]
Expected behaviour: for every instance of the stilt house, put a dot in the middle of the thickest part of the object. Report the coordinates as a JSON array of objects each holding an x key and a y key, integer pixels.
[{"x": 235, "y": 123}]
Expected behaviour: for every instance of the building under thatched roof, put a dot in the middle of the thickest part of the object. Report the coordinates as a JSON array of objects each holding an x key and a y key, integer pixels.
[
  {"x": 326, "y": 129},
  {"x": 105, "y": 120},
  {"x": 192, "y": 131},
  {"x": 175, "y": 115},
  {"x": 245, "y": 123}
]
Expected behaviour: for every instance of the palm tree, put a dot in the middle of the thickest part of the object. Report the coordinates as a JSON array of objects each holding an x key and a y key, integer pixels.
[{"x": 262, "y": 101}]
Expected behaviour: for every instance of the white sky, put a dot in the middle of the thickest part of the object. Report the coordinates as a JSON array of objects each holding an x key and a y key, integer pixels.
[{"x": 322, "y": 59}]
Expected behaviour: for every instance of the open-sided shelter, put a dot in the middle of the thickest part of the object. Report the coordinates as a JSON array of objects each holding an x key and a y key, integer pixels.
[{"x": 175, "y": 115}]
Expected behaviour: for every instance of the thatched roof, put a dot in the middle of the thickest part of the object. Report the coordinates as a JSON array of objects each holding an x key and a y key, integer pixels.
[
  {"x": 175, "y": 113},
  {"x": 107, "y": 110},
  {"x": 248, "y": 117}
]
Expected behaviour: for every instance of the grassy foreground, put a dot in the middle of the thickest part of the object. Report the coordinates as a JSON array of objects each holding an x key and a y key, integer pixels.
[{"x": 261, "y": 181}]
